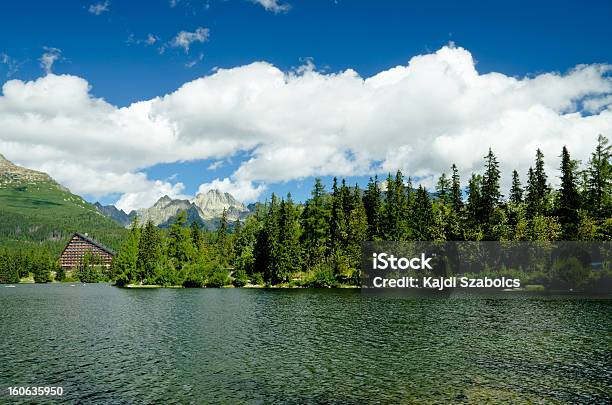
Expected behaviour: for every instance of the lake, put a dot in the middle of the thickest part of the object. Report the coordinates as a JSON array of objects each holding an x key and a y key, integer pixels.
[{"x": 104, "y": 344}]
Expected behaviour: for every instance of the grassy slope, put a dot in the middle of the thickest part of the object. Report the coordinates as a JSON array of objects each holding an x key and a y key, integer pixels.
[{"x": 44, "y": 214}]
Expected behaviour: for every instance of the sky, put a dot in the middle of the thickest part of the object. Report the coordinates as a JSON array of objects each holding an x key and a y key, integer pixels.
[{"x": 124, "y": 102}]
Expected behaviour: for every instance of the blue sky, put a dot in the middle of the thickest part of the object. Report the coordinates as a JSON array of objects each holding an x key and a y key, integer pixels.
[{"x": 106, "y": 46}]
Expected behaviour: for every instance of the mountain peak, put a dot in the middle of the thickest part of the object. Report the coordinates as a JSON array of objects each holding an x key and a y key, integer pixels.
[
  {"x": 214, "y": 201},
  {"x": 11, "y": 173}
]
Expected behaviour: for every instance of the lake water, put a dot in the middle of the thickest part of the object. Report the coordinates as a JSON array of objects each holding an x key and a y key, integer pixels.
[{"x": 103, "y": 344}]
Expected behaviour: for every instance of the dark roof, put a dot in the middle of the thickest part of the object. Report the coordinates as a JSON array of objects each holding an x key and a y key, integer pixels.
[{"x": 93, "y": 242}]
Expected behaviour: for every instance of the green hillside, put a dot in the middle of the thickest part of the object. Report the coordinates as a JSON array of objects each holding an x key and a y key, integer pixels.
[{"x": 35, "y": 211}]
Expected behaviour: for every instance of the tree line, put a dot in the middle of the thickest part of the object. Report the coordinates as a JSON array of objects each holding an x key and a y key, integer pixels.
[{"x": 318, "y": 243}]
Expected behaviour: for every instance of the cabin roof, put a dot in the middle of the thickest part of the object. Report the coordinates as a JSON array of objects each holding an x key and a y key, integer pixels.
[{"x": 93, "y": 242}]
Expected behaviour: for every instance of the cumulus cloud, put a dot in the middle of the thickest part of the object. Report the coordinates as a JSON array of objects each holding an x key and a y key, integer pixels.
[
  {"x": 48, "y": 58},
  {"x": 184, "y": 39},
  {"x": 149, "y": 193},
  {"x": 242, "y": 190},
  {"x": 273, "y": 5},
  {"x": 419, "y": 117},
  {"x": 98, "y": 8}
]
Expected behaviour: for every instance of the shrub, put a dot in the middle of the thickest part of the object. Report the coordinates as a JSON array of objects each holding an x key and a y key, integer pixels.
[
  {"x": 257, "y": 279},
  {"x": 240, "y": 278}
]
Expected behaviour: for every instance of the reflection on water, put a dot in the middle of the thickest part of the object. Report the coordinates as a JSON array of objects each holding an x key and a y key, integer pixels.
[{"x": 104, "y": 344}]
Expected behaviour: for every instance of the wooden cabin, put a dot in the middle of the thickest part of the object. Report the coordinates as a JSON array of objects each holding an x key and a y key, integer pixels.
[{"x": 78, "y": 246}]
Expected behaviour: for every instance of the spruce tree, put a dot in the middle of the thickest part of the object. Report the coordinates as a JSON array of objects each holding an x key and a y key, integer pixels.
[
  {"x": 474, "y": 200},
  {"x": 490, "y": 195},
  {"x": 267, "y": 243},
  {"x": 124, "y": 266},
  {"x": 179, "y": 241},
  {"x": 315, "y": 225},
  {"x": 149, "y": 252},
  {"x": 423, "y": 219},
  {"x": 357, "y": 233},
  {"x": 289, "y": 252},
  {"x": 456, "y": 195},
  {"x": 538, "y": 191},
  {"x": 599, "y": 182},
  {"x": 390, "y": 211},
  {"x": 338, "y": 219},
  {"x": 372, "y": 202},
  {"x": 444, "y": 189},
  {"x": 401, "y": 200},
  {"x": 568, "y": 201},
  {"x": 516, "y": 190},
  {"x": 196, "y": 236}
]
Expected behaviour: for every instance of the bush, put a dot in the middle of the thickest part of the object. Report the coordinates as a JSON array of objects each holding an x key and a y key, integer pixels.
[
  {"x": 240, "y": 278},
  {"x": 257, "y": 279},
  {"x": 568, "y": 273},
  {"x": 60, "y": 274},
  {"x": 193, "y": 275},
  {"x": 323, "y": 277},
  {"x": 218, "y": 278}
]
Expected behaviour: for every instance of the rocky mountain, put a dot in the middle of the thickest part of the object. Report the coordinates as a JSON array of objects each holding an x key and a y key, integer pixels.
[
  {"x": 206, "y": 208},
  {"x": 213, "y": 202},
  {"x": 116, "y": 214},
  {"x": 37, "y": 211},
  {"x": 10, "y": 174},
  {"x": 165, "y": 210}
]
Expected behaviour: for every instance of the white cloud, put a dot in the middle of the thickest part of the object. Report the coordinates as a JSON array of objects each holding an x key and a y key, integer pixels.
[
  {"x": 596, "y": 104},
  {"x": 215, "y": 165},
  {"x": 195, "y": 61},
  {"x": 420, "y": 117},
  {"x": 48, "y": 58},
  {"x": 149, "y": 194},
  {"x": 12, "y": 64},
  {"x": 184, "y": 39},
  {"x": 151, "y": 39},
  {"x": 273, "y": 5},
  {"x": 98, "y": 8},
  {"x": 241, "y": 190}
]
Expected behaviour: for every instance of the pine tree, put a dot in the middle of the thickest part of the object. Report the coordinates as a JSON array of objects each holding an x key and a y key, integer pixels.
[
  {"x": 289, "y": 251},
  {"x": 338, "y": 219},
  {"x": 372, "y": 202},
  {"x": 124, "y": 266},
  {"x": 490, "y": 195},
  {"x": 516, "y": 190},
  {"x": 444, "y": 189},
  {"x": 401, "y": 200},
  {"x": 474, "y": 200},
  {"x": 396, "y": 209},
  {"x": 267, "y": 242},
  {"x": 315, "y": 225},
  {"x": 196, "y": 236},
  {"x": 456, "y": 195},
  {"x": 149, "y": 252},
  {"x": 538, "y": 191},
  {"x": 599, "y": 181},
  {"x": 357, "y": 233},
  {"x": 568, "y": 201},
  {"x": 179, "y": 242},
  {"x": 423, "y": 219},
  {"x": 390, "y": 211},
  {"x": 222, "y": 241}
]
